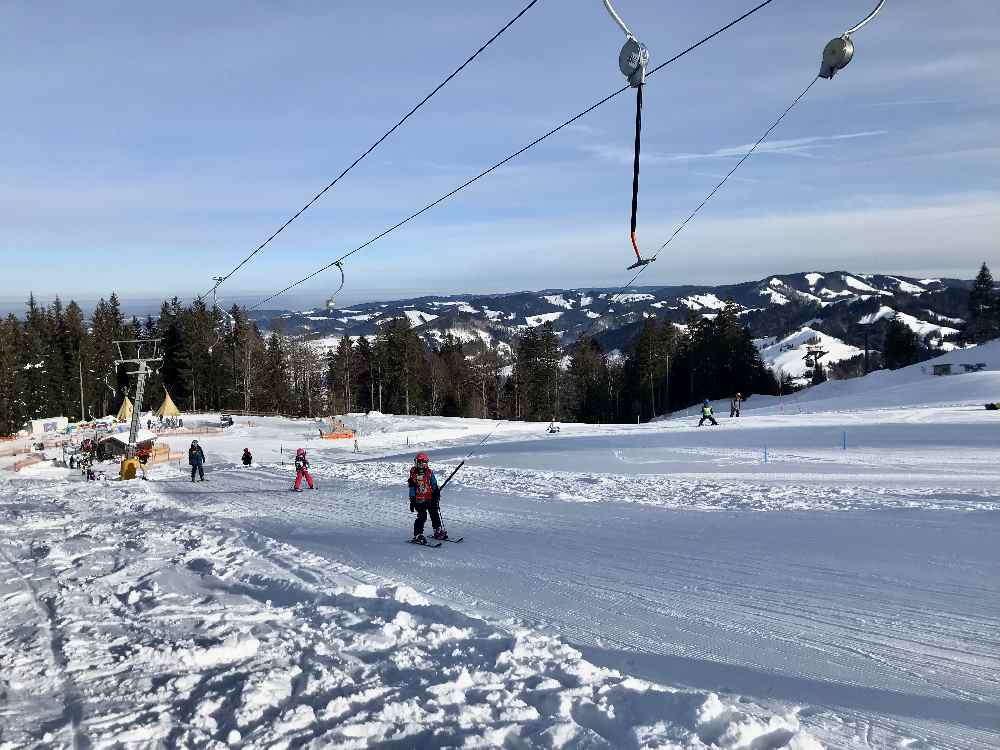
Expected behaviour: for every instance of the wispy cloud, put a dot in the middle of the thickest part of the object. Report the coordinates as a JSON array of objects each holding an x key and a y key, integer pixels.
[{"x": 801, "y": 147}]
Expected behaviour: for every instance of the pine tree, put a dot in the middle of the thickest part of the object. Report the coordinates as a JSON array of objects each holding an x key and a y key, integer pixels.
[
  {"x": 13, "y": 409},
  {"x": 983, "y": 322},
  {"x": 587, "y": 377},
  {"x": 273, "y": 387},
  {"x": 901, "y": 347},
  {"x": 76, "y": 354},
  {"x": 36, "y": 362}
]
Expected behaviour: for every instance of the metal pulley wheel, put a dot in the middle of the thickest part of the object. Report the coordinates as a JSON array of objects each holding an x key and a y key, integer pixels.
[
  {"x": 836, "y": 56},
  {"x": 839, "y": 52},
  {"x": 632, "y": 61}
]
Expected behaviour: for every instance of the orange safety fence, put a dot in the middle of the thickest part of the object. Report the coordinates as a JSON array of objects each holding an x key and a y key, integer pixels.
[
  {"x": 29, "y": 461},
  {"x": 337, "y": 435}
]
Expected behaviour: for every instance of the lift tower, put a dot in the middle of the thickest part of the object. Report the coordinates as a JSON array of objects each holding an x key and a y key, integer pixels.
[{"x": 145, "y": 354}]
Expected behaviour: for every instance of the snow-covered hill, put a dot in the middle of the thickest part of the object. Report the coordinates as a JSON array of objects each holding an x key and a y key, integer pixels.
[
  {"x": 787, "y": 357},
  {"x": 773, "y": 306}
]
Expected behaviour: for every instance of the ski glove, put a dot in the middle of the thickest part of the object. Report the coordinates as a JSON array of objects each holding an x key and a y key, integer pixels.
[{"x": 436, "y": 496}]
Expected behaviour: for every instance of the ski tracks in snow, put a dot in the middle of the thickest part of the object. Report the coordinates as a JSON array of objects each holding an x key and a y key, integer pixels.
[
  {"x": 173, "y": 629},
  {"x": 888, "y": 649}
]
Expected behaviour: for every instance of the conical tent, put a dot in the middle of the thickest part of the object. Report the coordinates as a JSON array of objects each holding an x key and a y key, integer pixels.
[
  {"x": 125, "y": 413},
  {"x": 168, "y": 408}
]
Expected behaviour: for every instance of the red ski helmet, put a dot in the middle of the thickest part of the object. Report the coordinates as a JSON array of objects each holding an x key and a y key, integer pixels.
[
  {"x": 422, "y": 458},
  {"x": 300, "y": 452}
]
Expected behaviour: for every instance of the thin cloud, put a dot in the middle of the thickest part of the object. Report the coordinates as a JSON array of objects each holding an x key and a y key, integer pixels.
[{"x": 802, "y": 147}]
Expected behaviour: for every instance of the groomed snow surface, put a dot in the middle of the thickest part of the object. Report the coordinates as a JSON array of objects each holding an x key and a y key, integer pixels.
[{"x": 654, "y": 586}]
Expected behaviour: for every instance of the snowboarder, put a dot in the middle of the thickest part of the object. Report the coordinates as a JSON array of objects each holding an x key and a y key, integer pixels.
[
  {"x": 706, "y": 413},
  {"x": 734, "y": 405},
  {"x": 196, "y": 457},
  {"x": 247, "y": 457},
  {"x": 302, "y": 470},
  {"x": 425, "y": 498}
]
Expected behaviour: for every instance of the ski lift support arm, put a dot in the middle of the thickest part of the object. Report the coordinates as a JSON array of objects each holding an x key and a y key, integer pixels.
[
  {"x": 632, "y": 61},
  {"x": 839, "y": 52}
]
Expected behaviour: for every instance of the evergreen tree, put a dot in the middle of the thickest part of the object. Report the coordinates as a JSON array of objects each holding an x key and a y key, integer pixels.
[
  {"x": 983, "y": 321},
  {"x": 901, "y": 347},
  {"x": 588, "y": 395},
  {"x": 37, "y": 361},
  {"x": 13, "y": 409},
  {"x": 76, "y": 355},
  {"x": 273, "y": 386}
]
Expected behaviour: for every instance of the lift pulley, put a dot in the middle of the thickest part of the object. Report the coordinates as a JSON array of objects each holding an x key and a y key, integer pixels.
[{"x": 839, "y": 52}]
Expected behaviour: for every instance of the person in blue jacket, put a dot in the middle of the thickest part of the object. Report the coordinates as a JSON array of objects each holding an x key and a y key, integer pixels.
[{"x": 196, "y": 457}]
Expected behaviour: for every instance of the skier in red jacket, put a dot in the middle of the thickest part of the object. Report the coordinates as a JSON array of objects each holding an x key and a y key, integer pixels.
[
  {"x": 424, "y": 499},
  {"x": 302, "y": 470}
]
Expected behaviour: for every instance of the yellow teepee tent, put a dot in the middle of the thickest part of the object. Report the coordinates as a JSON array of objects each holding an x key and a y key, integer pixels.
[
  {"x": 168, "y": 408},
  {"x": 125, "y": 413}
]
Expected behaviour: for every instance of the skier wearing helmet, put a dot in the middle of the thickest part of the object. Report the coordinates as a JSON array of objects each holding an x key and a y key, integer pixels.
[
  {"x": 302, "y": 470},
  {"x": 706, "y": 413},
  {"x": 424, "y": 499},
  {"x": 196, "y": 457}
]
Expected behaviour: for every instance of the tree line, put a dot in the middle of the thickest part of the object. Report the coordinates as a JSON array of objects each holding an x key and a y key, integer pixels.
[{"x": 56, "y": 361}]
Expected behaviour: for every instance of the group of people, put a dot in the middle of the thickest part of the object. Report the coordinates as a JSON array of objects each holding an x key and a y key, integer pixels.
[
  {"x": 707, "y": 413},
  {"x": 170, "y": 423},
  {"x": 196, "y": 460},
  {"x": 424, "y": 492}
]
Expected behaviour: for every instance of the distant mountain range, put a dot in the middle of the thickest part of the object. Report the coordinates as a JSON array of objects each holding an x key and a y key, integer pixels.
[{"x": 835, "y": 303}]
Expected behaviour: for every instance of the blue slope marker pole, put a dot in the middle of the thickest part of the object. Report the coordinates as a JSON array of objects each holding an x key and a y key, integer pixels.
[
  {"x": 845, "y": 440},
  {"x": 765, "y": 454}
]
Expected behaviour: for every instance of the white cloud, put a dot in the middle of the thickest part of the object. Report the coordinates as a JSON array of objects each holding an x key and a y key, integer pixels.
[{"x": 804, "y": 147}]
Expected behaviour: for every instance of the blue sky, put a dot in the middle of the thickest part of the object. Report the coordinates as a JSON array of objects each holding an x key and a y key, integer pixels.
[{"x": 148, "y": 147}]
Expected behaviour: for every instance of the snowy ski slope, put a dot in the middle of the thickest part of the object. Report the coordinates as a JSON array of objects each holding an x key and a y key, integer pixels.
[{"x": 620, "y": 586}]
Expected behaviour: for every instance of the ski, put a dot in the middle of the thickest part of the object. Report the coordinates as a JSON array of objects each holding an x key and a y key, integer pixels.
[
  {"x": 423, "y": 544},
  {"x": 454, "y": 541}
]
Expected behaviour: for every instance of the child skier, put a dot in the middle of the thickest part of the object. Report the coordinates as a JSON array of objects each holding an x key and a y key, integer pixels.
[
  {"x": 196, "y": 458},
  {"x": 247, "y": 457},
  {"x": 706, "y": 413},
  {"x": 424, "y": 499},
  {"x": 302, "y": 470}
]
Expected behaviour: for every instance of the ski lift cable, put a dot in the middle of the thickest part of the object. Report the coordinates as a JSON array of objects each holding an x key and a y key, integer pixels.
[
  {"x": 516, "y": 154},
  {"x": 376, "y": 144},
  {"x": 866, "y": 19}
]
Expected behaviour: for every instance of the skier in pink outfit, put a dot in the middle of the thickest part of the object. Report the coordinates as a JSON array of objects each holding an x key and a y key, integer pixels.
[{"x": 302, "y": 470}]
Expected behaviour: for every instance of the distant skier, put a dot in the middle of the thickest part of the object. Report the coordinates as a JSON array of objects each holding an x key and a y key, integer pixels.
[
  {"x": 425, "y": 498},
  {"x": 196, "y": 457},
  {"x": 734, "y": 405},
  {"x": 707, "y": 413},
  {"x": 247, "y": 457},
  {"x": 302, "y": 470}
]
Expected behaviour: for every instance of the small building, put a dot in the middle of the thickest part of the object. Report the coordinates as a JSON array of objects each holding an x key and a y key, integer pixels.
[
  {"x": 47, "y": 427},
  {"x": 114, "y": 446}
]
